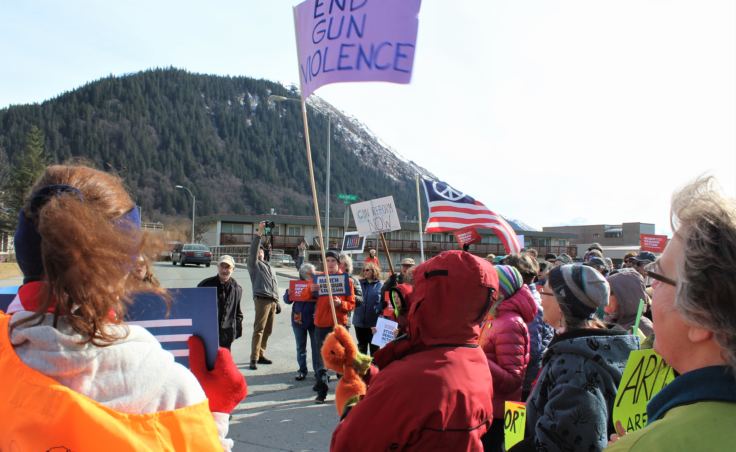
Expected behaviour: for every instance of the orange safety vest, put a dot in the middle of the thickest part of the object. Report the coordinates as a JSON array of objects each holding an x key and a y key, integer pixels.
[{"x": 37, "y": 413}]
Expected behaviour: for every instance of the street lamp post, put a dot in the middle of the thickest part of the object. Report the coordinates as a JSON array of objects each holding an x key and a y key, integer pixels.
[
  {"x": 194, "y": 206},
  {"x": 326, "y": 240}
]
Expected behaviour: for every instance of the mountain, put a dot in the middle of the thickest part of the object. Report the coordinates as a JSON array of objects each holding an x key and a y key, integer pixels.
[{"x": 222, "y": 137}]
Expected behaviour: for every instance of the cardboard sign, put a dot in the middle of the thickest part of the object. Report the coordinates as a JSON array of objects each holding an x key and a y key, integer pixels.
[
  {"x": 652, "y": 242},
  {"x": 300, "y": 290},
  {"x": 352, "y": 242},
  {"x": 355, "y": 41},
  {"x": 384, "y": 332},
  {"x": 645, "y": 375},
  {"x": 340, "y": 285},
  {"x": 466, "y": 236},
  {"x": 376, "y": 216},
  {"x": 193, "y": 312},
  {"x": 514, "y": 422}
]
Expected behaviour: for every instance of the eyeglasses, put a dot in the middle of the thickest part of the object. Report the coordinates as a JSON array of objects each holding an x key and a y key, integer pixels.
[
  {"x": 367, "y": 270},
  {"x": 541, "y": 292},
  {"x": 652, "y": 270}
]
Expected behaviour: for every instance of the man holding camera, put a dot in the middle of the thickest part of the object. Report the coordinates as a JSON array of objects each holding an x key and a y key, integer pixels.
[{"x": 265, "y": 297}]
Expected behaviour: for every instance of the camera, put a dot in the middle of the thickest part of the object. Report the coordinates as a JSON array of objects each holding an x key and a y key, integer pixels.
[{"x": 269, "y": 224}]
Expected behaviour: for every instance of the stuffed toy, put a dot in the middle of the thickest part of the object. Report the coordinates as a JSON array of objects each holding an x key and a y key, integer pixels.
[{"x": 340, "y": 354}]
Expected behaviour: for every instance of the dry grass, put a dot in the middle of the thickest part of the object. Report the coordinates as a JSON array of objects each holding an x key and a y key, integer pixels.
[{"x": 9, "y": 270}]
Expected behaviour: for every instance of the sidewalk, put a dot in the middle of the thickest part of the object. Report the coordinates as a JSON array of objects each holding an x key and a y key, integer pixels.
[{"x": 286, "y": 272}]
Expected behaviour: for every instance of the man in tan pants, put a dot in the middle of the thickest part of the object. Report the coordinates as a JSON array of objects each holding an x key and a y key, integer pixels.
[{"x": 265, "y": 297}]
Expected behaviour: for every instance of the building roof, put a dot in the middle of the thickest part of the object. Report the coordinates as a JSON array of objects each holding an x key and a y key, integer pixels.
[{"x": 408, "y": 225}]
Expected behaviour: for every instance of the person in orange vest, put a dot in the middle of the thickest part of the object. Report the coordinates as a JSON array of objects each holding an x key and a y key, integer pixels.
[
  {"x": 72, "y": 373},
  {"x": 323, "y": 319}
]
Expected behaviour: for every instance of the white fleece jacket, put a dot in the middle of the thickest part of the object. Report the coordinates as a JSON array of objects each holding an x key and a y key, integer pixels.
[{"x": 133, "y": 375}]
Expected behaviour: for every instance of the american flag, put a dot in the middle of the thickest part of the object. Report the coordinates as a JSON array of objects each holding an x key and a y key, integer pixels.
[{"x": 450, "y": 209}]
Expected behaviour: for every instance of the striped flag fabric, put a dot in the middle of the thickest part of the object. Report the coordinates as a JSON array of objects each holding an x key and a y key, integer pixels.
[{"x": 450, "y": 209}]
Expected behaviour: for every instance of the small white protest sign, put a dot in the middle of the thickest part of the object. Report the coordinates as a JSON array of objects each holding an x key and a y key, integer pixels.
[
  {"x": 384, "y": 332},
  {"x": 376, "y": 216}
]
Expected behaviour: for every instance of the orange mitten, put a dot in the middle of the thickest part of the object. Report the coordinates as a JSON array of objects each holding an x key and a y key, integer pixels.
[{"x": 340, "y": 354}]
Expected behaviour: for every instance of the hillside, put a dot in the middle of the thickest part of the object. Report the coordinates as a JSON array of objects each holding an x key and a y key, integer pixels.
[{"x": 220, "y": 136}]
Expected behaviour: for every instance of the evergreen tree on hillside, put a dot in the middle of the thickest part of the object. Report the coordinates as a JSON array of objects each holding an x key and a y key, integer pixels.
[
  {"x": 28, "y": 167},
  {"x": 218, "y": 135}
]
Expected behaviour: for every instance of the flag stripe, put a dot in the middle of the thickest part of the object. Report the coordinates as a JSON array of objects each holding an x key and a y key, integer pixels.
[
  {"x": 446, "y": 215},
  {"x": 453, "y": 206}
]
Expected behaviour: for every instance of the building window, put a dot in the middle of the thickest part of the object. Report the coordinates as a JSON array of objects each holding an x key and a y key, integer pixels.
[
  {"x": 596, "y": 236},
  {"x": 294, "y": 231},
  {"x": 614, "y": 233},
  {"x": 233, "y": 228},
  {"x": 436, "y": 237}
]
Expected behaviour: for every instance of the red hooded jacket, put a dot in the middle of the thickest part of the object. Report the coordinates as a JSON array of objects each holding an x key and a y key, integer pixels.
[
  {"x": 437, "y": 391},
  {"x": 505, "y": 341}
]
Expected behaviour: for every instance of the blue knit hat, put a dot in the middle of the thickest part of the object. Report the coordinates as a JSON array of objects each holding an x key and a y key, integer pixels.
[{"x": 509, "y": 281}]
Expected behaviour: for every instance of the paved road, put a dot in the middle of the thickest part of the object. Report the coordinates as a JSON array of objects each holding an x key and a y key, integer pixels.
[{"x": 279, "y": 413}]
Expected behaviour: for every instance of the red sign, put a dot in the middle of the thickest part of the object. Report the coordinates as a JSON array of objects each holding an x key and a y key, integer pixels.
[
  {"x": 466, "y": 235},
  {"x": 300, "y": 290},
  {"x": 653, "y": 243}
]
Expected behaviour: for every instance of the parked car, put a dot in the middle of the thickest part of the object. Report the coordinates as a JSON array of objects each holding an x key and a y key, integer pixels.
[
  {"x": 281, "y": 260},
  {"x": 191, "y": 253}
]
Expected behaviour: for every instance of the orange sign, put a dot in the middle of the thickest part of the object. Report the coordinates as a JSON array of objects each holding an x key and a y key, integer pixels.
[
  {"x": 466, "y": 235},
  {"x": 652, "y": 242},
  {"x": 300, "y": 290}
]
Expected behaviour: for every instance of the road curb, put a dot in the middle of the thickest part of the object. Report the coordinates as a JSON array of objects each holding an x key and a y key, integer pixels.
[{"x": 280, "y": 273}]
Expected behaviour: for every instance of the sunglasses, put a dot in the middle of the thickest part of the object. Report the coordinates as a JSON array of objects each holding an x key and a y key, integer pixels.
[{"x": 652, "y": 270}]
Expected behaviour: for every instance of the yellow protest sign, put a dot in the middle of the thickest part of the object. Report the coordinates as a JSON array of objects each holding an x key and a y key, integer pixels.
[
  {"x": 514, "y": 422},
  {"x": 645, "y": 375}
]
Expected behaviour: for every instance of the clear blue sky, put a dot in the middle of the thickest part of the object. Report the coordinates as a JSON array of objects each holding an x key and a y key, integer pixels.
[{"x": 582, "y": 110}]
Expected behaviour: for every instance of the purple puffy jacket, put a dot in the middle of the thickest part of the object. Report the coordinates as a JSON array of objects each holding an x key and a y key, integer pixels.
[{"x": 505, "y": 341}]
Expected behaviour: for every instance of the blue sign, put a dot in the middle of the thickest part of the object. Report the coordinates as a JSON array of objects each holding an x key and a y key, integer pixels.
[
  {"x": 5, "y": 299},
  {"x": 340, "y": 285},
  {"x": 193, "y": 312}
]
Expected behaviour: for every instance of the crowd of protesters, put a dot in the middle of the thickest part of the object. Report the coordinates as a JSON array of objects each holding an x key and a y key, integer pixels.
[{"x": 472, "y": 334}]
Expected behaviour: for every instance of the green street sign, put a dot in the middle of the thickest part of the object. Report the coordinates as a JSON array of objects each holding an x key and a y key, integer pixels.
[{"x": 347, "y": 197}]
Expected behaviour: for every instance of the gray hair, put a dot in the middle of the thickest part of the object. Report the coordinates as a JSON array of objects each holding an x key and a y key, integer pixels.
[
  {"x": 706, "y": 289},
  {"x": 348, "y": 263},
  {"x": 304, "y": 269}
]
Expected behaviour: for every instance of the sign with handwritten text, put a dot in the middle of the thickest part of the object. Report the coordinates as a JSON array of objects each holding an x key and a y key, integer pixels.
[
  {"x": 514, "y": 422},
  {"x": 355, "y": 41},
  {"x": 646, "y": 373},
  {"x": 376, "y": 216}
]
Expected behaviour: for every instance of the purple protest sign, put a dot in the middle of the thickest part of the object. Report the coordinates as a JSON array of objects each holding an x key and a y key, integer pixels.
[{"x": 355, "y": 41}]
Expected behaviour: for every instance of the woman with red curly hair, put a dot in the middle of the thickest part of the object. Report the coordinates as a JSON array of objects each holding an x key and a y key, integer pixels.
[{"x": 73, "y": 373}]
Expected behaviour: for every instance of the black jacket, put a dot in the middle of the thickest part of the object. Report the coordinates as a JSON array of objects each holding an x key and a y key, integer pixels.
[{"x": 229, "y": 315}]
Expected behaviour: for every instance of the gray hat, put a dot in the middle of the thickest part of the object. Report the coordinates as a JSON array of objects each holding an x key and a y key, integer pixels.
[
  {"x": 580, "y": 289},
  {"x": 564, "y": 258}
]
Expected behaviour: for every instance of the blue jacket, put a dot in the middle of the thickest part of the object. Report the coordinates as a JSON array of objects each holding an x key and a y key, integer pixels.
[
  {"x": 302, "y": 313},
  {"x": 367, "y": 313},
  {"x": 540, "y": 335}
]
